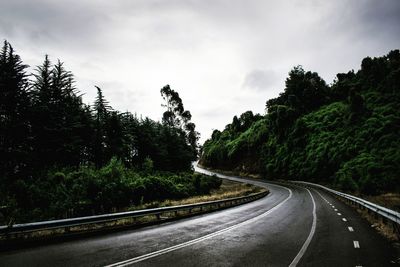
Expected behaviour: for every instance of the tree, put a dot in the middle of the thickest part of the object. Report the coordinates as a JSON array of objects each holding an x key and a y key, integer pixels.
[
  {"x": 44, "y": 122},
  {"x": 130, "y": 127},
  {"x": 60, "y": 121},
  {"x": 245, "y": 120},
  {"x": 173, "y": 115},
  {"x": 356, "y": 102},
  {"x": 14, "y": 110},
  {"x": 102, "y": 111},
  {"x": 73, "y": 118},
  {"x": 177, "y": 117},
  {"x": 114, "y": 136},
  {"x": 304, "y": 92}
]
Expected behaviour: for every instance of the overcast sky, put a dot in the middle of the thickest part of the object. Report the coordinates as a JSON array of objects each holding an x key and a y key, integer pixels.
[{"x": 223, "y": 57}]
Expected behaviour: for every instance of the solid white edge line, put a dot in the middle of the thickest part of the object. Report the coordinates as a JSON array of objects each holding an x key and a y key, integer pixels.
[
  {"x": 310, "y": 235},
  {"x": 356, "y": 244},
  {"x": 197, "y": 240}
]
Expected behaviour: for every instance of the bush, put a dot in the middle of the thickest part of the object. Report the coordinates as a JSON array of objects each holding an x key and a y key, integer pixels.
[{"x": 87, "y": 191}]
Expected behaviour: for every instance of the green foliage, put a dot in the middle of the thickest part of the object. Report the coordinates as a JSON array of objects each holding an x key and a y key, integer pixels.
[
  {"x": 148, "y": 165},
  {"x": 60, "y": 155},
  {"x": 88, "y": 190},
  {"x": 240, "y": 139},
  {"x": 346, "y": 134},
  {"x": 48, "y": 125},
  {"x": 14, "y": 123}
]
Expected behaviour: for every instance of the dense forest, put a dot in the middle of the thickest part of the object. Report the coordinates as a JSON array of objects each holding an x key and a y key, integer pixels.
[
  {"x": 61, "y": 157},
  {"x": 346, "y": 134}
]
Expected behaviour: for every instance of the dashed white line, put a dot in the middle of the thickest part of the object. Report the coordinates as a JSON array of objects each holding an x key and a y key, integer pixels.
[
  {"x": 344, "y": 219},
  {"x": 335, "y": 209},
  {"x": 350, "y": 229},
  {"x": 322, "y": 197},
  {"x": 339, "y": 214},
  {"x": 356, "y": 244}
]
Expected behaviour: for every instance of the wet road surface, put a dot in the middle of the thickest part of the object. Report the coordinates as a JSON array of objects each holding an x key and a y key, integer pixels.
[{"x": 292, "y": 226}]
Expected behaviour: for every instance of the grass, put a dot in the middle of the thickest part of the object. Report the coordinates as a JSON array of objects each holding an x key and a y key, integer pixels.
[
  {"x": 388, "y": 200},
  {"x": 384, "y": 228},
  {"x": 228, "y": 189}
]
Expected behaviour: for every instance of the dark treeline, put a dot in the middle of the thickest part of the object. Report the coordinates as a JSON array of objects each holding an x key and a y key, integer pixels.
[
  {"x": 346, "y": 134},
  {"x": 58, "y": 153}
]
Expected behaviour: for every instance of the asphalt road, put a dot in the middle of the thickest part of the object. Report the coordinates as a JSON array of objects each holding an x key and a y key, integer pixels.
[{"x": 292, "y": 226}]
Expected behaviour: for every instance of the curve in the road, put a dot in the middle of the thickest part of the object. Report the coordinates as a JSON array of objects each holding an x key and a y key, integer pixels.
[
  {"x": 200, "y": 239},
  {"x": 278, "y": 230}
]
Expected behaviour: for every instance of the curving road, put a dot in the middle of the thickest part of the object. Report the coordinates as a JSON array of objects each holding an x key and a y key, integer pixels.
[{"x": 292, "y": 226}]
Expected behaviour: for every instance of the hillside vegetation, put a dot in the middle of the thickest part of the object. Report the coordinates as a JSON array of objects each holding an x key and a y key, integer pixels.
[{"x": 346, "y": 134}]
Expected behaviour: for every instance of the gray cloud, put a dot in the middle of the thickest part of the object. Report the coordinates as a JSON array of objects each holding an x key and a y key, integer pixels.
[
  {"x": 260, "y": 79},
  {"x": 53, "y": 25},
  {"x": 369, "y": 18},
  {"x": 209, "y": 50}
]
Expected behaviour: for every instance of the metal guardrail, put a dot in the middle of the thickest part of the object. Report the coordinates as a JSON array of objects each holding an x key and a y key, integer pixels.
[
  {"x": 386, "y": 213},
  {"x": 80, "y": 221}
]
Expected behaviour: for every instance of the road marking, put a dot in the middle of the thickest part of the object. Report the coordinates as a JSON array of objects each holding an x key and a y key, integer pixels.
[
  {"x": 200, "y": 239},
  {"x": 356, "y": 244},
  {"x": 335, "y": 210},
  {"x": 322, "y": 196},
  {"x": 339, "y": 214},
  {"x": 310, "y": 236},
  {"x": 333, "y": 206},
  {"x": 344, "y": 219},
  {"x": 350, "y": 229}
]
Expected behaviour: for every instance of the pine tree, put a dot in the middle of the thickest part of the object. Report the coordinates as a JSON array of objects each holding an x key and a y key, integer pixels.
[
  {"x": 14, "y": 109},
  {"x": 102, "y": 111},
  {"x": 61, "y": 123}
]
